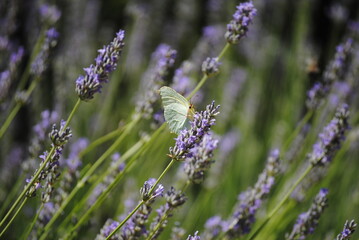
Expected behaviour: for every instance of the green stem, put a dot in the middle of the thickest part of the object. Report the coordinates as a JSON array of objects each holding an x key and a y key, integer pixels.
[
  {"x": 126, "y": 219},
  {"x": 13, "y": 217},
  {"x": 28, "y": 186},
  {"x": 158, "y": 225},
  {"x": 101, "y": 140},
  {"x": 136, "y": 151},
  {"x": 33, "y": 179},
  {"x": 281, "y": 203},
  {"x": 298, "y": 128},
  {"x": 28, "y": 231},
  {"x": 205, "y": 77},
  {"x": 142, "y": 202},
  {"x": 87, "y": 175},
  {"x": 12, "y": 194}
]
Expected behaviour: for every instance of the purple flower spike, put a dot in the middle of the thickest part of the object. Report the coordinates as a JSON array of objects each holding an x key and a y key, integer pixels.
[
  {"x": 308, "y": 221},
  {"x": 238, "y": 26},
  {"x": 348, "y": 230},
  {"x": 330, "y": 139},
  {"x": 105, "y": 63}
]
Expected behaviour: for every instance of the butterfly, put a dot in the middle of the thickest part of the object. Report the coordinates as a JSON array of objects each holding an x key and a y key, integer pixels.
[{"x": 177, "y": 109}]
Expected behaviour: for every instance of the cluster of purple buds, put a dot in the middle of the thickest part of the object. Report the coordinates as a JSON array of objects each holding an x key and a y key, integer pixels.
[
  {"x": 9, "y": 74},
  {"x": 331, "y": 137},
  {"x": 174, "y": 199},
  {"x": 162, "y": 61},
  {"x": 49, "y": 14},
  {"x": 335, "y": 72},
  {"x": 210, "y": 67},
  {"x": 107, "y": 229},
  {"x": 40, "y": 63},
  {"x": 188, "y": 138},
  {"x": 238, "y": 26},
  {"x": 308, "y": 221},
  {"x": 135, "y": 227},
  {"x": 97, "y": 74},
  {"x": 194, "y": 237},
  {"x": 61, "y": 136},
  {"x": 251, "y": 200},
  {"x": 195, "y": 146},
  {"x": 348, "y": 230}
]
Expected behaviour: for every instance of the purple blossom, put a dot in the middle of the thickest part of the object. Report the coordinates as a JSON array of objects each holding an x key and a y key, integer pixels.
[
  {"x": 210, "y": 66},
  {"x": 308, "y": 221},
  {"x": 331, "y": 137},
  {"x": 251, "y": 200},
  {"x": 194, "y": 237},
  {"x": 162, "y": 61},
  {"x": 40, "y": 64},
  {"x": 182, "y": 81},
  {"x": 61, "y": 136},
  {"x": 107, "y": 229},
  {"x": 146, "y": 193},
  {"x": 105, "y": 63},
  {"x": 348, "y": 230},
  {"x": 214, "y": 226},
  {"x": 242, "y": 18},
  {"x": 73, "y": 161},
  {"x": 335, "y": 71},
  {"x": 49, "y": 14},
  {"x": 174, "y": 199},
  {"x": 188, "y": 138},
  {"x": 200, "y": 158}
]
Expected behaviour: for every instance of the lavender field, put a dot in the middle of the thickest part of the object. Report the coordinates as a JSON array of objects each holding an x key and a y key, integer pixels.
[{"x": 256, "y": 135}]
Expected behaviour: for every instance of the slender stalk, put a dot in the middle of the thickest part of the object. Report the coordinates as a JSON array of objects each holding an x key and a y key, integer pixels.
[
  {"x": 281, "y": 203},
  {"x": 158, "y": 225},
  {"x": 33, "y": 179},
  {"x": 28, "y": 231},
  {"x": 13, "y": 217},
  {"x": 205, "y": 77},
  {"x": 126, "y": 219},
  {"x": 142, "y": 202},
  {"x": 136, "y": 149},
  {"x": 10, "y": 197},
  {"x": 87, "y": 175},
  {"x": 298, "y": 128},
  {"x": 101, "y": 140},
  {"x": 28, "y": 186}
]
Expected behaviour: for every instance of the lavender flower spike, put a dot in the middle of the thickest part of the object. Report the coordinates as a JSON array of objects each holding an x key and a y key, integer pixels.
[
  {"x": 200, "y": 126},
  {"x": 308, "y": 221},
  {"x": 210, "y": 66},
  {"x": 96, "y": 75},
  {"x": 348, "y": 230},
  {"x": 331, "y": 137},
  {"x": 238, "y": 26},
  {"x": 251, "y": 200},
  {"x": 194, "y": 237}
]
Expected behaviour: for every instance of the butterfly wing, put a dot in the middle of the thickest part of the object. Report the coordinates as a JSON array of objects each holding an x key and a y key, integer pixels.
[
  {"x": 176, "y": 117},
  {"x": 170, "y": 96},
  {"x": 175, "y": 109}
]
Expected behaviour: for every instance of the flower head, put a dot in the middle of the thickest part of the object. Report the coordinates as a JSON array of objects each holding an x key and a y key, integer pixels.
[
  {"x": 242, "y": 18},
  {"x": 308, "y": 221},
  {"x": 331, "y": 137},
  {"x": 97, "y": 74},
  {"x": 348, "y": 230}
]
